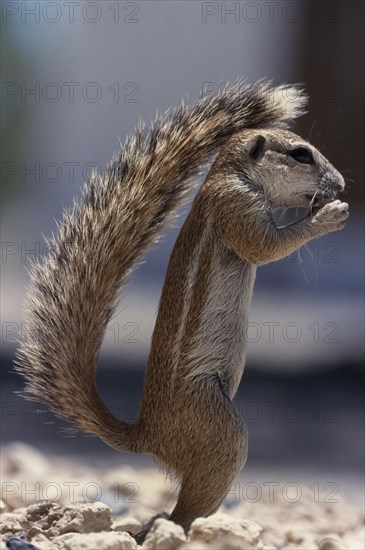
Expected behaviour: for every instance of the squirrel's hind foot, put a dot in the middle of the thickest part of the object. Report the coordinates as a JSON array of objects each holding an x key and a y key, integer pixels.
[{"x": 141, "y": 536}]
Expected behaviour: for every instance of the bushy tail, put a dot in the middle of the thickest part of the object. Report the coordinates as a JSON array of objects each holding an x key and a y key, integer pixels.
[{"x": 73, "y": 289}]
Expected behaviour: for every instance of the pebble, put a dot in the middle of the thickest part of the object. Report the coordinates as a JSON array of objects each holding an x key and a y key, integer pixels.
[
  {"x": 209, "y": 529},
  {"x": 93, "y": 541},
  {"x": 164, "y": 535},
  {"x": 12, "y": 523},
  {"x": 127, "y": 524},
  {"x": 50, "y": 519},
  {"x": 43, "y": 543}
]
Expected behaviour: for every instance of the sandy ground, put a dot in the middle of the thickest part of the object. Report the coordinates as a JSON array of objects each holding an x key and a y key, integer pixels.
[{"x": 62, "y": 504}]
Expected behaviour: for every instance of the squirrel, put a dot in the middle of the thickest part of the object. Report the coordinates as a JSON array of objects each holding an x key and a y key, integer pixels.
[{"x": 187, "y": 420}]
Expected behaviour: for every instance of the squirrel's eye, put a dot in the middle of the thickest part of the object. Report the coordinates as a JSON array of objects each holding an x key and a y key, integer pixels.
[{"x": 302, "y": 155}]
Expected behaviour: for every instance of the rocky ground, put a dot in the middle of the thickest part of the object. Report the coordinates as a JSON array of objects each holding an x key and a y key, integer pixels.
[{"x": 60, "y": 504}]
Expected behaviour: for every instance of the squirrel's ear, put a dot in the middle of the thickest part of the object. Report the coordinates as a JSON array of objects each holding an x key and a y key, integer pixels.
[{"x": 257, "y": 148}]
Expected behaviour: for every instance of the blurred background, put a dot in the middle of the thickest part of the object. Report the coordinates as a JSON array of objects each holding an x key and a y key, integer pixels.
[{"x": 76, "y": 78}]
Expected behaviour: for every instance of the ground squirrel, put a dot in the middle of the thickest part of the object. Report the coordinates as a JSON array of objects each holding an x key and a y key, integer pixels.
[{"x": 187, "y": 419}]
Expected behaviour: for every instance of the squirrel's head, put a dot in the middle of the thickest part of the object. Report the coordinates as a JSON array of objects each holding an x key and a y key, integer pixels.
[{"x": 286, "y": 168}]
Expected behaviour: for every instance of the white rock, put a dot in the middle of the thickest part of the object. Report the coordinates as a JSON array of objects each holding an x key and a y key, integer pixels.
[
  {"x": 127, "y": 523},
  {"x": 43, "y": 543},
  {"x": 60, "y": 541},
  {"x": 222, "y": 542},
  {"x": 84, "y": 517},
  {"x": 196, "y": 545},
  {"x": 12, "y": 523},
  {"x": 20, "y": 511},
  {"x": 164, "y": 535},
  {"x": 2, "y": 507},
  {"x": 42, "y": 517},
  {"x": 52, "y": 520},
  {"x": 93, "y": 541},
  {"x": 218, "y": 525}
]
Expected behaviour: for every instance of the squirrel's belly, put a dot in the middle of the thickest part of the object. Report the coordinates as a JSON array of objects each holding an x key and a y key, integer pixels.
[{"x": 219, "y": 345}]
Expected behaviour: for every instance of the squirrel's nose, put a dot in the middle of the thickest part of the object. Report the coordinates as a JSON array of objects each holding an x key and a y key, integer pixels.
[{"x": 340, "y": 183}]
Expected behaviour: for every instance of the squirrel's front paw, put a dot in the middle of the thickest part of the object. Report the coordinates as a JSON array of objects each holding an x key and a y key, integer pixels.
[{"x": 331, "y": 217}]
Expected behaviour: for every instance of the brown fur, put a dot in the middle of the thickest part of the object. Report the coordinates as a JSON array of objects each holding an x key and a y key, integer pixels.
[{"x": 187, "y": 419}]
